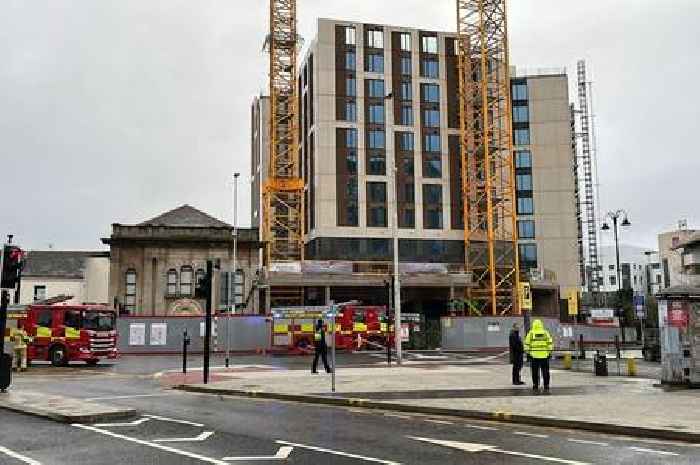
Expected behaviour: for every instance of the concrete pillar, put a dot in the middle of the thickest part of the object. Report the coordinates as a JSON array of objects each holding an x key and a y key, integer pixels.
[
  {"x": 268, "y": 296},
  {"x": 452, "y": 291},
  {"x": 328, "y": 295}
]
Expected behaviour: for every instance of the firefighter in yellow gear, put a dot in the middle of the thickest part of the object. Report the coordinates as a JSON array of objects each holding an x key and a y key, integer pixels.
[
  {"x": 19, "y": 341},
  {"x": 539, "y": 346}
]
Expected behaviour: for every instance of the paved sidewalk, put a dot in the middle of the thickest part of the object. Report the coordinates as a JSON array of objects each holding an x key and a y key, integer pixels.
[
  {"x": 59, "y": 408},
  {"x": 621, "y": 405}
]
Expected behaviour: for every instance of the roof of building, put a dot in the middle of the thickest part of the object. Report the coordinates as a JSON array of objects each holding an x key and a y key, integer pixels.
[
  {"x": 185, "y": 216},
  {"x": 57, "y": 264},
  {"x": 692, "y": 240}
]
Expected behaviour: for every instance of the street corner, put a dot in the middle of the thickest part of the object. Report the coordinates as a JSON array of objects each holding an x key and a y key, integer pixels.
[{"x": 172, "y": 378}]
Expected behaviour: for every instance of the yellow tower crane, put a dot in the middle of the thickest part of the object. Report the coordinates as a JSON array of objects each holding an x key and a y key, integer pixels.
[
  {"x": 488, "y": 188},
  {"x": 283, "y": 205}
]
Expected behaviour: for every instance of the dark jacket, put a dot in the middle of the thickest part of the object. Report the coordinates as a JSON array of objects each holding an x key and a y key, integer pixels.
[{"x": 516, "y": 346}]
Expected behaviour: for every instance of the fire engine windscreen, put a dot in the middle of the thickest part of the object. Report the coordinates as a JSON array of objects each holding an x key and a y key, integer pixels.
[{"x": 98, "y": 321}]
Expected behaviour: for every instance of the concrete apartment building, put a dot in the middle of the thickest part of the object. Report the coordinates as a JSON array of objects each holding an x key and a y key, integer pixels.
[
  {"x": 375, "y": 97},
  {"x": 677, "y": 256}
]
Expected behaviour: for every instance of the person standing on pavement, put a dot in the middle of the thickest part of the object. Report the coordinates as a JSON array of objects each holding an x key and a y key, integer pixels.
[
  {"x": 516, "y": 354},
  {"x": 321, "y": 347},
  {"x": 539, "y": 346}
]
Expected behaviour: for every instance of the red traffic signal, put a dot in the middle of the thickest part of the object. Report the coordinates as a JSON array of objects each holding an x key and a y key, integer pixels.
[{"x": 12, "y": 264}]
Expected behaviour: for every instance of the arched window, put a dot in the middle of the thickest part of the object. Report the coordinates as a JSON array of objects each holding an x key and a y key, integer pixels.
[
  {"x": 199, "y": 282},
  {"x": 172, "y": 282},
  {"x": 186, "y": 276},
  {"x": 130, "y": 291}
]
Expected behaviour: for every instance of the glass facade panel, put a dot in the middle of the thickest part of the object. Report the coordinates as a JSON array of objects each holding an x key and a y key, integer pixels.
[
  {"x": 431, "y": 118},
  {"x": 374, "y": 63},
  {"x": 523, "y": 159},
  {"x": 521, "y": 114},
  {"x": 521, "y": 137},
  {"x": 431, "y": 143},
  {"x": 376, "y": 114},
  {"x": 429, "y": 45},
  {"x": 406, "y": 66},
  {"x": 406, "y": 141},
  {"x": 525, "y": 206},
  {"x": 375, "y": 88},
  {"x": 375, "y": 139},
  {"x": 430, "y": 93},
  {"x": 429, "y": 68},
  {"x": 520, "y": 92},
  {"x": 526, "y": 229}
]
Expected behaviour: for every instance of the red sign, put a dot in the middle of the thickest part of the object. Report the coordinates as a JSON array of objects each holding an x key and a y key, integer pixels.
[{"x": 678, "y": 314}]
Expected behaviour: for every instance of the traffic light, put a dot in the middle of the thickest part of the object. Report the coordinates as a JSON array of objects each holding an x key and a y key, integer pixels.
[
  {"x": 12, "y": 264},
  {"x": 203, "y": 287}
]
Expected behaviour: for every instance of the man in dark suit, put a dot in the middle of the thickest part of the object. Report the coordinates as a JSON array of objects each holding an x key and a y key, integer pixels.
[
  {"x": 321, "y": 347},
  {"x": 516, "y": 354}
]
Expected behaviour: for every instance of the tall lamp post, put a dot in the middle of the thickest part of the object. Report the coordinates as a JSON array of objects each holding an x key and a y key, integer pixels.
[
  {"x": 615, "y": 216},
  {"x": 232, "y": 277}
]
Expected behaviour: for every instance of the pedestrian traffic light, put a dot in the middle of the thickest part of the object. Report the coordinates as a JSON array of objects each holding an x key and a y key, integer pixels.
[
  {"x": 12, "y": 264},
  {"x": 203, "y": 286}
]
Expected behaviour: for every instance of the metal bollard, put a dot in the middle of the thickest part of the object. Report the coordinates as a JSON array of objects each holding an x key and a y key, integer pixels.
[
  {"x": 185, "y": 343},
  {"x": 617, "y": 354},
  {"x": 631, "y": 367},
  {"x": 567, "y": 361}
]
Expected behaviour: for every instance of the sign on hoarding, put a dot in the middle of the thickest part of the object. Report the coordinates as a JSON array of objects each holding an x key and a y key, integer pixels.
[
  {"x": 525, "y": 294},
  {"x": 137, "y": 334},
  {"x": 678, "y": 314},
  {"x": 572, "y": 301},
  {"x": 159, "y": 334}
]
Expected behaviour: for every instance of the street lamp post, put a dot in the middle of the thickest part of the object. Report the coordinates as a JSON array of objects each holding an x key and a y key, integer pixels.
[
  {"x": 615, "y": 216},
  {"x": 232, "y": 281}
]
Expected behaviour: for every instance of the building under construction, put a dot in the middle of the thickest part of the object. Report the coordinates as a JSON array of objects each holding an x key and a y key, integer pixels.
[{"x": 379, "y": 132}]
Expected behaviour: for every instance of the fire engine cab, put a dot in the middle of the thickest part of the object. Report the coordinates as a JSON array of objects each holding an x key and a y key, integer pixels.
[{"x": 65, "y": 333}]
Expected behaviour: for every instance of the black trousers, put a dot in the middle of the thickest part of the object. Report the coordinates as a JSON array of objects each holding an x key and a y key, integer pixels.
[
  {"x": 517, "y": 366},
  {"x": 540, "y": 365},
  {"x": 323, "y": 353}
]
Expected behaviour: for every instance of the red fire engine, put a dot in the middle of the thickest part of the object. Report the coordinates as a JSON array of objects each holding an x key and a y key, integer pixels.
[{"x": 66, "y": 333}]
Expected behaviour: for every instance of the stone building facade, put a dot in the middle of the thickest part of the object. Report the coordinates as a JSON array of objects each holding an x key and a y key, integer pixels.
[{"x": 156, "y": 266}]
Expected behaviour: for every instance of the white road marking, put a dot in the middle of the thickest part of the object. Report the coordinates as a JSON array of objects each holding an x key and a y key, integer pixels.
[
  {"x": 653, "y": 451},
  {"x": 174, "y": 420},
  {"x": 134, "y": 396},
  {"x": 339, "y": 453},
  {"x": 282, "y": 454},
  {"x": 484, "y": 428},
  {"x": 439, "y": 422},
  {"x": 130, "y": 423},
  {"x": 398, "y": 415},
  {"x": 532, "y": 435},
  {"x": 202, "y": 437},
  {"x": 474, "y": 448},
  {"x": 20, "y": 457},
  {"x": 593, "y": 443},
  {"x": 153, "y": 445}
]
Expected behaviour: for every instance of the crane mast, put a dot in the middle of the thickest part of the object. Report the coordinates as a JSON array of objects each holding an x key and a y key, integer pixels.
[
  {"x": 486, "y": 149},
  {"x": 284, "y": 189}
]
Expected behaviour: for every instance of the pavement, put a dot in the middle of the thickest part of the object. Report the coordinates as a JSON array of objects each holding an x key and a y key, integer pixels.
[
  {"x": 612, "y": 404},
  {"x": 61, "y": 408},
  {"x": 177, "y": 427}
]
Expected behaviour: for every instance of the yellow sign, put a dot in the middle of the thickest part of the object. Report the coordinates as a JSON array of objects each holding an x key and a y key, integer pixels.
[
  {"x": 572, "y": 299},
  {"x": 525, "y": 296}
]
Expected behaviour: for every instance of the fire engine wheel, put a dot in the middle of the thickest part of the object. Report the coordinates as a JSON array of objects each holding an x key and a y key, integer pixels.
[
  {"x": 58, "y": 356},
  {"x": 91, "y": 363}
]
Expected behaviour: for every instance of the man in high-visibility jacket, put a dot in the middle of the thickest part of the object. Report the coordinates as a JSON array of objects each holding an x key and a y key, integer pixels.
[
  {"x": 539, "y": 346},
  {"x": 321, "y": 347}
]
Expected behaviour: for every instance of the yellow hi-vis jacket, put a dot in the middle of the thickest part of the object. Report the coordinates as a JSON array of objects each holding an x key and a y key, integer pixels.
[{"x": 538, "y": 342}]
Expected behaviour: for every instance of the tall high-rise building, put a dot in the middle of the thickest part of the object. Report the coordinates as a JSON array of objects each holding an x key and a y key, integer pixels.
[{"x": 379, "y": 100}]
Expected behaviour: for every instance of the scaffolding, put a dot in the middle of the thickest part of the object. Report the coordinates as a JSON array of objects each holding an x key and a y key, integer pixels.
[
  {"x": 488, "y": 190},
  {"x": 284, "y": 189},
  {"x": 588, "y": 197}
]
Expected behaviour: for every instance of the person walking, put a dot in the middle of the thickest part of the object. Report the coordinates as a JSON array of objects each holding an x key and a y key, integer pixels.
[
  {"x": 516, "y": 354},
  {"x": 321, "y": 347},
  {"x": 539, "y": 346}
]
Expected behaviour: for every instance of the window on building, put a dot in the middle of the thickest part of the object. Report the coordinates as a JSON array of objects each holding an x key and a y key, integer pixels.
[
  {"x": 635, "y": 280},
  {"x": 172, "y": 282},
  {"x": 350, "y": 60},
  {"x": 429, "y": 44},
  {"x": 351, "y": 160},
  {"x": 430, "y": 93},
  {"x": 431, "y": 143},
  {"x": 521, "y": 114},
  {"x": 523, "y": 182},
  {"x": 432, "y": 168},
  {"x": 406, "y": 66},
  {"x": 409, "y": 218},
  {"x": 611, "y": 267},
  {"x": 376, "y": 163},
  {"x": 406, "y": 168},
  {"x": 406, "y": 141},
  {"x": 528, "y": 256},
  {"x": 376, "y": 114},
  {"x": 351, "y": 138},
  {"x": 130, "y": 291},
  {"x": 350, "y": 86},
  {"x": 526, "y": 229},
  {"x": 374, "y": 63},
  {"x": 199, "y": 276},
  {"x": 350, "y": 111},
  {"x": 406, "y": 91},
  {"x": 432, "y": 206},
  {"x": 350, "y": 35},
  {"x": 429, "y": 68},
  {"x": 375, "y": 139},
  {"x": 522, "y": 137},
  {"x": 406, "y": 115},
  {"x": 525, "y": 206},
  {"x": 39, "y": 293},
  {"x": 520, "y": 91},
  {"x": 613, "y": 281},
  {"x": 186, "y": 277},
  {"x": 658, "y": 279},
  {"x": 376, "y": 205},
  {"x": 375, "y": 88},
  {"x": 523, "y": 159},
  {"x": 431, "y": 118},
  {"x": 406, "y": 41},
  {"x": 375, "y": 39}
]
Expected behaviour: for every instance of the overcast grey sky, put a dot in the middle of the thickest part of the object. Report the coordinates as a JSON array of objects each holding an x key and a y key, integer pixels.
[{"x": 115, "y": 111}]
